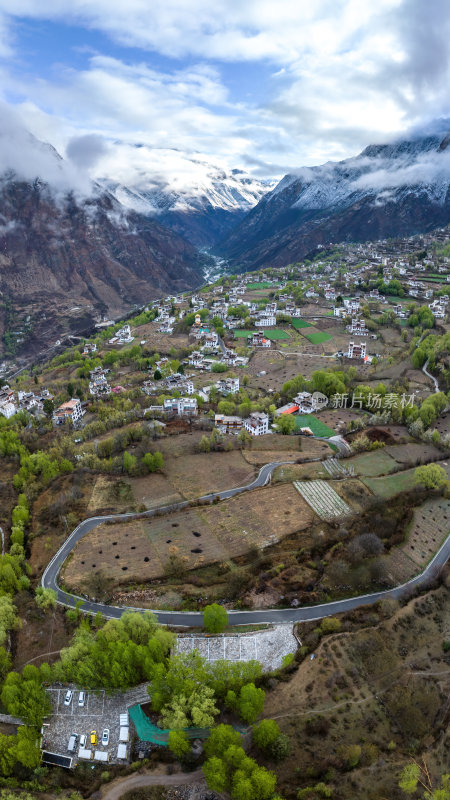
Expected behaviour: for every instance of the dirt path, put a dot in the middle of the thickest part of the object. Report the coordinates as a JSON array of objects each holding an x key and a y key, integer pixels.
[{"x": 123, "y": 785}]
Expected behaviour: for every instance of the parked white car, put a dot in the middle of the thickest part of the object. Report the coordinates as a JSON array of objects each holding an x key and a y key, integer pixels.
[
  {"x": 68, "y": 697},
  {"x": 81, "y": 699},
  {"x": 105, "y": 737}
]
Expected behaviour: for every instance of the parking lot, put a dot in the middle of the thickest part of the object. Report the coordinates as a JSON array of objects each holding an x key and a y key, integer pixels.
[{"x": 100, "y": 711}]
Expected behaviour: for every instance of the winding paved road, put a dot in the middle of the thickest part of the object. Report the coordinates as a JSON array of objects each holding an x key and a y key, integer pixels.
[
  {"x": 428, "y": 374},
  {"x": 195, "y": 618}
]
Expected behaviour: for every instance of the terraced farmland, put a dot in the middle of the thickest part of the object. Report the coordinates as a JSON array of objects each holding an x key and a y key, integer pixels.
[
  {"x": 431, "y": 524},
  {"x": 323, "y": 499}
]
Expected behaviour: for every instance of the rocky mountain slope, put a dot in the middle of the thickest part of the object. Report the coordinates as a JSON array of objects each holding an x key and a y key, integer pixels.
[
  {"x": 388, "y": 190},
  {"x": 65, "y": 262},
  {"x": 200, "y": 201}
]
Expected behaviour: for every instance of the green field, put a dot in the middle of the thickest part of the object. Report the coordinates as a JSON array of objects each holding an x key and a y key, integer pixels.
[
  {"x": 378, "y": 462},
  {"x": 300, "y": 323},
  {"x": 392, "y": 484},
  {"x": 272, "y": 333},
  {"x": 318, "y": 337},
  {"x": 263, "y": 285},
  {"x": 309, "y": 421}
]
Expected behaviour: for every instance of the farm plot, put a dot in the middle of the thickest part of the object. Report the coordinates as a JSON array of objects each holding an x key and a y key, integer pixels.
[
  {"x": 391, "y": 485},
  {"x": 310, "y": 421},
  {"x": 413, "y": 453},
  {"x": 430, "y": 526},
  {"x": 317, "y": 337},
  {"x": 271, "y": 333},
  {"x": 323, "y": 499},
  {"x": 139, "y": 550},
  {"x": 378, "y": 462},
  {"x": 298, "y": 324},
  {"x": 202, "y": 473}
]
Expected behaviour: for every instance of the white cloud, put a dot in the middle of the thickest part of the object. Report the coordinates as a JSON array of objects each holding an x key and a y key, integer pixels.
[
  {"x": 29, "y": 158},
  {"x": 341, "y": 74}
]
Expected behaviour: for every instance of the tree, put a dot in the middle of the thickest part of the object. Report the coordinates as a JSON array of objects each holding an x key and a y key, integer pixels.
[
  {"x": 48, "y": 407},
  {"x": 179, "y": 743},
  {"x": 184, "y": 710},
  {"x": 157, "y": 375},
  {"x": 129, "y": 462},
  {"x": 204, "y": 445},
  {"x": 45, "y": 598},
  {"x": 250, "y": 702},
  {"x": 432, "y": 476},
  {"x": 265, "y": 733},
  {"x": 8, "y": 618},
  {"x": 28, "y": 751},
  {"x": 220, "y": 739},
  {"x": 153, "y": 461},
  {"x": 330, "y": 625},
  {"x": 215, "y": 618},
  {"x": 285, "y": 424}
]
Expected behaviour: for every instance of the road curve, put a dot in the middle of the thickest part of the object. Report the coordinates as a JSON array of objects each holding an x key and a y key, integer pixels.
[
  {"x": 118, "y": 788},
  {"x": 432, "y": 378},
  {"x": 49, "y": 578}
]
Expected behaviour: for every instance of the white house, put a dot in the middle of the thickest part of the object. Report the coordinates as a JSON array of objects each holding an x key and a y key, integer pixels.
[
  {"x": 257, "y": 339},
  {"x": 308, "y": 403},
  {"x": 356, "y": 350},
  {"x": 257, "y": 423},
  {"x": 183, "y": 406},
  {"x": 72, "y": 410},
  {"x": 226, "y": 424},
  {"x": 228, "y": 385}
]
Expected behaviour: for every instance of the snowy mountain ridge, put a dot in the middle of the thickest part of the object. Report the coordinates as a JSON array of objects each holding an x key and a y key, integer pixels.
[{"x": 388, "y": 190}]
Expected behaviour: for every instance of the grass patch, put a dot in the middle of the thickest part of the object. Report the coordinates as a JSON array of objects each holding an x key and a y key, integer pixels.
[
  {"x": 262, "y": 285},
  {"x": 273, "y": 334},
  {"x": 318, "y": 337},
  {"x": 372, "y": 464},
  {"x": 392, "y": 484},
  {"x": 317, "y": 426},
  {"x": 300, "y": 323}
]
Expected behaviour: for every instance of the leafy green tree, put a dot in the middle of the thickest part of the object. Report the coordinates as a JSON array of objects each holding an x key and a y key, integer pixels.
[
  {"x": 153, "y": 461},
  {"x": 265, "y": 734},
  {"x": 27, "y": 749},
  {"x": 9, "y": 619},
  {"x": 216, "y": 774},
  {"x": 285, "y": 424},
  {"x": 330, "y": 625},
  {"x": 179, "y": 743},
  {"x": 204, "y": 445},
  {"x": 197, "y": 708},
  {"x": 215, "y": 618},
  {"x": 409, "y": 778},
  {"x": 129, "y": 462},
  {"x": 220, "y": 739},
  {"x": 250, "y": 702},
  {"x": 432, "y": 476},
  {"x": 45, "y": 598}
]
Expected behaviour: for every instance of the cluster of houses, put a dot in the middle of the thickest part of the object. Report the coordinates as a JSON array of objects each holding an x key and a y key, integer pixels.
[{"x": 11, "y": 403}]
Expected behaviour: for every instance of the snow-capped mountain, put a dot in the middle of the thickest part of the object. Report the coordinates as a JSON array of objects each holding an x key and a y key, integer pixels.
[
  {"x": 70, "y": 252},
  {"x": 198, "y": 200},
  {"x": 387, "y": 190}
]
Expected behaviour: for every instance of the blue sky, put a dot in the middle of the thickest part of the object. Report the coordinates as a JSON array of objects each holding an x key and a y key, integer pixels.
[{"x": 264, "y": 86}]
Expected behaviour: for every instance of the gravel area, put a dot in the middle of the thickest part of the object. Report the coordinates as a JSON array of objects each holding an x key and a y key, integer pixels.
[{"x": 267, "y": 646}]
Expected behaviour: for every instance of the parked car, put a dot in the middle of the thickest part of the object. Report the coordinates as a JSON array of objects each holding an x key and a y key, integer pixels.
[
  {"x": 68, "y": 697},
  {"x": 105, "y": 737},
  {"x": 83, "y": 740},
  {"x": 72, "y": 742},
  {"x": 93, "y": 737},
  {"x": 81, "y": 699}
]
